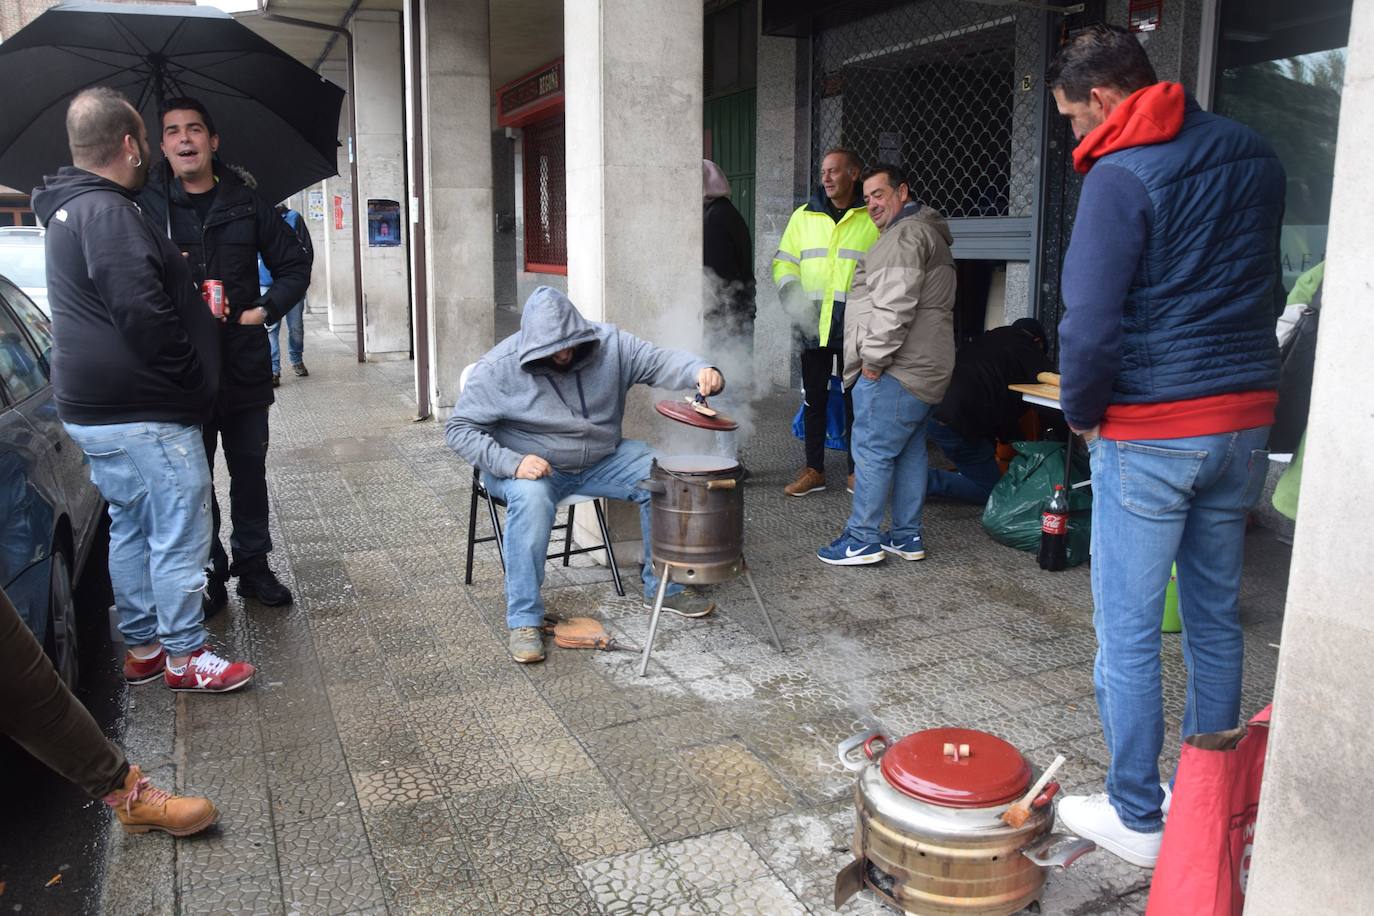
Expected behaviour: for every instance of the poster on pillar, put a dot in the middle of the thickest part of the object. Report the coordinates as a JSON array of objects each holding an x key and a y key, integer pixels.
[
  {"x": 314, "y": 205},
  {"x": 343, "y": 210},
  {"x": 383, "y": 223}
]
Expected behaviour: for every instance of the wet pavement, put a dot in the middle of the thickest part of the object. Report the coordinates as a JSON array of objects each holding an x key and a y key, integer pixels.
[{"x": 391, "y": 759}]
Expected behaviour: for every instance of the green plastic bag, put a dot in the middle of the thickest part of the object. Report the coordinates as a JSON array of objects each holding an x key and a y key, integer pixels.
[{"x": 1012, "y": 515}]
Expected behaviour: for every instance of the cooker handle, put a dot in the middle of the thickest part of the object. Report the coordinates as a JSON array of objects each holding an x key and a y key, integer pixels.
[
  {"x": 721, "y": 484},
  {"x": 653, "y": 486},
  {"x": 1058, "y": 850},
  {"x": 846, "y": 749}
]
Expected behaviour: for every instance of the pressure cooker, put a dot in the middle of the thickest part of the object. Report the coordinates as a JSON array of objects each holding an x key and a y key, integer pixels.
[{"x": 929, "y": 837}]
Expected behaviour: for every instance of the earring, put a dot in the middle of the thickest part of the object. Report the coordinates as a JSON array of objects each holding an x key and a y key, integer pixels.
[{"x": 137, "y": 164}]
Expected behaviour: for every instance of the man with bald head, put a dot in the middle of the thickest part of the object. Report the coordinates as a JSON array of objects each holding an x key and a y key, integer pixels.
[{"x": 135, "y": 370}]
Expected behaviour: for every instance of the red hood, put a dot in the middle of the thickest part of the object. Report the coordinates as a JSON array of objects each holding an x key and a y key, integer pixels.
[{"x": 1150, "y": 115}]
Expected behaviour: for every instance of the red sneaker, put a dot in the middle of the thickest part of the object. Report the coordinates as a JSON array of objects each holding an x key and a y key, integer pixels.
[
  {"x": 142, "y": 670},
  {"x": 206, "y": 672}
]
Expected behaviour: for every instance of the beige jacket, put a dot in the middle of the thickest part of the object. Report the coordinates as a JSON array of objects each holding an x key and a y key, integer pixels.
[{"x": 900, "y": 316}]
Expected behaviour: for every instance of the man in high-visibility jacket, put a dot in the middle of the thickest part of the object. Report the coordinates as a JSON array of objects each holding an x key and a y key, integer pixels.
[{"x": 813, "y": 270}]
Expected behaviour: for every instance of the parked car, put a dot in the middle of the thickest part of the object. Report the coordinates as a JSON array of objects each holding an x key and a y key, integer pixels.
[
  {"x": 50, "y": 512},
  {"x": 22, "y": 260}
]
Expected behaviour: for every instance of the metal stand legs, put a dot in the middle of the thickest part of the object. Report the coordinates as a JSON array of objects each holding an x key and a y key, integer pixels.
[
  {"x": 653, "y": 621},
  {"x": 766, "y": 619},
  {"x": 658, "y": 610}
]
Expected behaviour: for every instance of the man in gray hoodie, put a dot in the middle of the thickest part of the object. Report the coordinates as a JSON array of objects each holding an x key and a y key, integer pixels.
[{"x": 541, "y": 418}]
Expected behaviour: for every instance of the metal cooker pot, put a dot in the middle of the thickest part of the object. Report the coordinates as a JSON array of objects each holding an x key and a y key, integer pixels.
[
  {"x": 697, "y": 517},
  {"x": 929, "y": 837}
]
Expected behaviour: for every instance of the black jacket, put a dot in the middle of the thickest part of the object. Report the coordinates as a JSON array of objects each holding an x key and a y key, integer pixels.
[
  {"x": 132, "y": 339},
  {"x": 978, "y": 404},
  {"x": 239, "y": 226},
  {"x": 729, "y": 255}
]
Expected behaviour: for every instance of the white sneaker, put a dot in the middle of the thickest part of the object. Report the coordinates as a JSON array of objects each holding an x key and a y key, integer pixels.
[{"x": 1093, "y": 818}]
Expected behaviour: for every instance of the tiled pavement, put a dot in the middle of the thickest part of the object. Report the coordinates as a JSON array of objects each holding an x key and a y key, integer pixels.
[{"x": 391, "y": 759}]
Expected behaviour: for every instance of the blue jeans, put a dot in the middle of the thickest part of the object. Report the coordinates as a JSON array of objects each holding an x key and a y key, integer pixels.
[
  {"x": 889, "y": 445},
  {"x": 295, "y": 337},
  {"x": 157, "y": 482},
  {"x": 1156, "y": 501},
  {"x": 530, "y": 509},
  {"x": 975, "y": 462}
]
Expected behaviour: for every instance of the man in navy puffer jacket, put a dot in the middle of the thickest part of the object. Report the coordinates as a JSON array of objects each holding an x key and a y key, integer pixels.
[{"x": 1170, "y": 370}]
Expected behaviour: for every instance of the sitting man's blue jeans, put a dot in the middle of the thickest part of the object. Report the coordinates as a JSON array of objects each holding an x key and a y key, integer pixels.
[
  {"x": 889, "y": 446},
  {"x": 1155, "y": 502},
  {"x": 157, "y": 481},
  {"x": 530, "y": 509},
  {"x": 975, "y": 462},
  {"x": 295, "y": 337}
]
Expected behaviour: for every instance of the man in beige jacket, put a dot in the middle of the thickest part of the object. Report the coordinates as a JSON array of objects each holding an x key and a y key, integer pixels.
[{"x": 898, "y": 356}]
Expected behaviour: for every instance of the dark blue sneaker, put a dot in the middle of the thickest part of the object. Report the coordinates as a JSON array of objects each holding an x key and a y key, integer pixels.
[
  {"x": 909, "y": 549},
  {"x": 846, "y": 550}
]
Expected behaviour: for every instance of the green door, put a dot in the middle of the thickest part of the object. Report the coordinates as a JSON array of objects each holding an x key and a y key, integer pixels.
[{"x": 729, "y": 126}]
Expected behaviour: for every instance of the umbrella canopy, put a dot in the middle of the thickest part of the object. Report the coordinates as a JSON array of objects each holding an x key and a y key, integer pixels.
[{"x": 274, "y": 115}]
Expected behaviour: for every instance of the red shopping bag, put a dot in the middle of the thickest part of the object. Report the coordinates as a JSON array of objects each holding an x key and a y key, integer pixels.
[{"x": 1204, "y": 862}]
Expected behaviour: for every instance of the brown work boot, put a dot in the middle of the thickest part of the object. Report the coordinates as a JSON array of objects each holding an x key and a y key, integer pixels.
[
  {"x": 141, "y": 806},
  {"x": 809, "y": 480},
  {"x": 849, "y": 485}
]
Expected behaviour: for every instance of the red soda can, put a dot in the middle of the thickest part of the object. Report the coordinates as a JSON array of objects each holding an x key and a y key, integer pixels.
[{"x": 212, "y": 291}]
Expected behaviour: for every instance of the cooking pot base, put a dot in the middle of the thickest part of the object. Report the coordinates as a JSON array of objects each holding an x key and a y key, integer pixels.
[{"x": 689, "y": 574}]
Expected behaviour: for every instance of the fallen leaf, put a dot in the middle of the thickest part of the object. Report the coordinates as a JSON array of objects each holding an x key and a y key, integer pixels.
[{"x": 55, "y": 879}]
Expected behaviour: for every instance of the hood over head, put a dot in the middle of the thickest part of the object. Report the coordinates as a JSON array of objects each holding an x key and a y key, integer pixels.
[
  {"x": 713, "y": 181},
  {"x": 549, "y": 323},
  {"x": 69, "y": 182}
]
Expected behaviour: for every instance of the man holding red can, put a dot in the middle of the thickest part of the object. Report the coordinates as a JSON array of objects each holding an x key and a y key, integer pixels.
[{"x": 221, "y": 224}]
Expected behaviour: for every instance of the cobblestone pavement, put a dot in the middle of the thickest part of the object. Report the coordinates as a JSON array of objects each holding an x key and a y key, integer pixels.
[{"x": 391, "y": 759}]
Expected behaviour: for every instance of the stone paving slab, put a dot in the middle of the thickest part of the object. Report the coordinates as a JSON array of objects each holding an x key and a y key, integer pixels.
[{"x": 391, "y": 759}]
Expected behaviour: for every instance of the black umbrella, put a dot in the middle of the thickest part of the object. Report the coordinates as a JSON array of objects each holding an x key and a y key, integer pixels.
[{"x": 274, "y": 115}]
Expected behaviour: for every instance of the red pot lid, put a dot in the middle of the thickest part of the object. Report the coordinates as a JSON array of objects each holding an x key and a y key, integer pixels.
[{"x": 992, "y": 773}]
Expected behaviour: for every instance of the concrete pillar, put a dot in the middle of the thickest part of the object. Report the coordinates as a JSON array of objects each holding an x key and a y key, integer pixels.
[
  {"x": 780, "y": 179},
  {"x": 1315, "y": 840},
  {"x": 634, "y": 127},
  {"x": 457, "y": 99},
  {"x": 377, "y": 50},
  {"x": 337, "y": 239},
  {"x": 634, "y": 110}
]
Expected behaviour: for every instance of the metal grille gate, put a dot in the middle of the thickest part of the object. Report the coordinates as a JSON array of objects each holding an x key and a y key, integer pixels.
[
  {"x": 948, "y": 89},
  {"x": 546, "y": 199}
]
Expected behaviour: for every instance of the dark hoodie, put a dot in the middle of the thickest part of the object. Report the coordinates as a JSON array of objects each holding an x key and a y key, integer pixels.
[
  {"x": 515, "y": 403},
  {"x": 132, "y": 339},
  {"x": 239, "y": 226}
]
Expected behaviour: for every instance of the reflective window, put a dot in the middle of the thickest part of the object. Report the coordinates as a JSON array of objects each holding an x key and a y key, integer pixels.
[
  {"x": 32, "y": 318},
  {"x": 20, "y": 368},
  {"x": 1281, "y": 74}
]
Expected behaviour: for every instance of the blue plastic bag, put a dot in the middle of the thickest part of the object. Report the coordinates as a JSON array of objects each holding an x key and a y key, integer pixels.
[{"x": 835, "y": 417}]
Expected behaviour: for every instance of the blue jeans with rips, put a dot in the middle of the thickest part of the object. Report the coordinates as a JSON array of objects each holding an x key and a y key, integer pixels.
[
  {"x": 889, "y": 446},
  {"x": 1154, "y": 502},
  {"x": 975, "y": 462},
  {"x": 530, "y": 509},
  {"x": 157, "y": 481}
]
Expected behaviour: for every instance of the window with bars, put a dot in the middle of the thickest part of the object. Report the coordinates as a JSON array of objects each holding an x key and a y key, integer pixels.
[
  {"x": 545, "y": 193},
  {"x": 947, "y": 89}
]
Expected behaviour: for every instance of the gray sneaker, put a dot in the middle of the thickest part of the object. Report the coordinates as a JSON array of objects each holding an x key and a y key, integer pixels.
[
  {"x": 686, "y": 603},
  {"x": 300, "y": 370},
  {"x": 527, "y": 645}
]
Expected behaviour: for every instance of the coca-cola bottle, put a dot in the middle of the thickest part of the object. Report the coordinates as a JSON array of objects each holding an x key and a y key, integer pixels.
[{"x": 1054, "y": 531}]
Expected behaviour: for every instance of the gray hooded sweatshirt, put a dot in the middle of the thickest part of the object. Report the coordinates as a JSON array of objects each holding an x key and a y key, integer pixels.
[{"x": 516, "y": 403}]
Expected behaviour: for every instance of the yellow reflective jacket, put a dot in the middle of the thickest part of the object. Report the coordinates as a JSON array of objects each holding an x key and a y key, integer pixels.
[{"x": 821, "y": 255}]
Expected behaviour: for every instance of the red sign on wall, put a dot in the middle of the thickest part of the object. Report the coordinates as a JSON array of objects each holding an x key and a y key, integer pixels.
[{"x": 531, "y": 97}]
